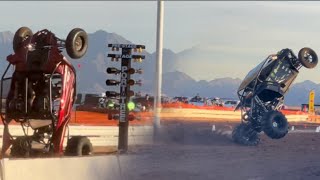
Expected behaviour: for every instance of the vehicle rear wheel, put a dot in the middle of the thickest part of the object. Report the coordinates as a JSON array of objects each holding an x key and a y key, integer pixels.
[
  {"x": 21, "y": 147},
  {"x": 21, "y": 34},
  {"x": 275, "y": 124},
  {"x": 308, "y": 57},
  {"x": 244, "y": 134},
  {"x": 77, "y": 43},
  {"x": 78, "y": 146}
]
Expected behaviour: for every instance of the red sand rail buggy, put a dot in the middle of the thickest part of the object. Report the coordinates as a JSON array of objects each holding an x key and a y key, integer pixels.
[{"x": 42, "y": 93}]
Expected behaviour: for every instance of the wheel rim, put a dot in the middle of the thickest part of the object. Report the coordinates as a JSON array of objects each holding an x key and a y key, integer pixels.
[
  {"x": 277, "y": 122},
  {"x": 79, "y": 43},
  {"x": 308, "y": 57}
]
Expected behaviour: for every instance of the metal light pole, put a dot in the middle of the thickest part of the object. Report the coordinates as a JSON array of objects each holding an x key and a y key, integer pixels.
[{"x": 158, "y": 81}]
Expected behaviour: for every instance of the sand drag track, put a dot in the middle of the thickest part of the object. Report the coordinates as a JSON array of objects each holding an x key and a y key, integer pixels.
[{"x": 190, "y": 150}]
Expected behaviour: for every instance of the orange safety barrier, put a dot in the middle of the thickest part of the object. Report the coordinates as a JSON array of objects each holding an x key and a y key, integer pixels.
[
  {"x": 191, "y": 106},
  {"x": 293, "y": 112},
  {"x": 101, "y": 119},
  {"x": 146, "y": 118},
  {"x": 313, "y": 118}
]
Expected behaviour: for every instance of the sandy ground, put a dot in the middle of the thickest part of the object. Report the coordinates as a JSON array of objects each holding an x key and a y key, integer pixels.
[{"x": 190, "y": 150}]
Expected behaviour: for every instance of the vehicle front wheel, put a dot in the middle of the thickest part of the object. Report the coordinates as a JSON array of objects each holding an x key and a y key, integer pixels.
[
  {"x": 244, "y": 134},
  {"x": 77, "y": 43},
  {"x": 274, "y": 124},
  {"x": 21, "y": 34},
  {"x": 308, "y": 58}
]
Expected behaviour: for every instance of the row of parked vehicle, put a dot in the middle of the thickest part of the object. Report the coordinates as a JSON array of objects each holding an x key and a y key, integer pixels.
[
  {"x": 145, "y": 103},
  {"x": 204, "y": 101}
]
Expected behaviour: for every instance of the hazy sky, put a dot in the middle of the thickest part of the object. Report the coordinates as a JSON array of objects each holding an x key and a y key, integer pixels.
[{"x": 232, "y": 36}]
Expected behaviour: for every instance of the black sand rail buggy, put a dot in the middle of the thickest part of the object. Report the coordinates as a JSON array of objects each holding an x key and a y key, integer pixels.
[{"x": 262, "y": 92}]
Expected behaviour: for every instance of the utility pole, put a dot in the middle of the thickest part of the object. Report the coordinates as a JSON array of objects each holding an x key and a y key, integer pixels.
[{"x": 158, "y": 81}]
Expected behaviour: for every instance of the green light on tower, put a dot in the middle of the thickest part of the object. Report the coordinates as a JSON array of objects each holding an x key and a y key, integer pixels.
[{"x": 131, "y": 105}]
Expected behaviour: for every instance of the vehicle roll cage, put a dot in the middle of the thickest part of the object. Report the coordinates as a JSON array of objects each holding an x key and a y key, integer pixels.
[
  {"x": 49, "y": 76},
  {"x": 249, "y": 92}
]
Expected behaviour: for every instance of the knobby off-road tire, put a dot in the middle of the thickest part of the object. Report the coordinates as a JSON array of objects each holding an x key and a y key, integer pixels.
[
  {"x": 78, "y": 146},
  {"x": 275, "y": 124},
  {"x": 77, "y": 43},
  {"x": 244, "y": 134},
  {"x": 20, "y": 35},
  {"x": 308, "y": 57}
]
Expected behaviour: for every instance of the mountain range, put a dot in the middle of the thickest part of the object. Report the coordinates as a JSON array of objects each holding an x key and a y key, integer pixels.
[{"x": 91, "y": 72}]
